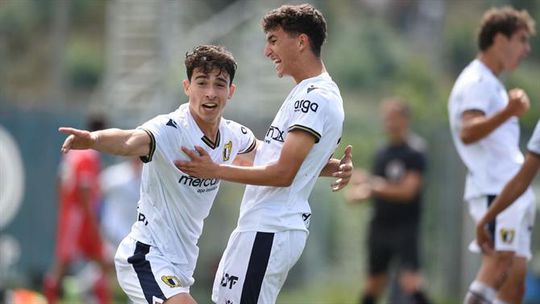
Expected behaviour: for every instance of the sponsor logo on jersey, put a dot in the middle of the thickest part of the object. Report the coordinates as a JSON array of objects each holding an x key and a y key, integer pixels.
[
  {"x": 507, "y": 235},
  {"x": 228, "y": 280},
  {"x": 191, "y": 181},
  {"x": 305, "y": 106},
  {"x": 142, "y": 218},
  {"x": 395, "y": 170},
  {"x": 306, "y": 217},
  {"x": 275, "y": 133},
  {"x": 171, "y": 281},
  {"x": 227, "y": 148},
  {"x": 172, "y": 123},
  {"x": 311, "y": 88}
]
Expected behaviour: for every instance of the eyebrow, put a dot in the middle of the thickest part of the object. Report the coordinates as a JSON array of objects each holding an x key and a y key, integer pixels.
[
  {"x": 222, "y": 79},
  {"x": 270, "y": 37},
  {"x": 203, "y": 76}
]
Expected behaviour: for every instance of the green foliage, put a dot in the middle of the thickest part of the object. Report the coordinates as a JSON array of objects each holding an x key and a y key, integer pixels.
[
  {"x": 18, "y": 21},
  {"x": 360, "y": 57},
  {"x": 84, "y": 64}
]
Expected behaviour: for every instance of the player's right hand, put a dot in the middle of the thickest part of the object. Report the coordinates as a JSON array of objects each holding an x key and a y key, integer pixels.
[
  {"x": 483, "y": 238},
  {"x": 77, "y": 139},
  {"x": 518, "y": 102}
]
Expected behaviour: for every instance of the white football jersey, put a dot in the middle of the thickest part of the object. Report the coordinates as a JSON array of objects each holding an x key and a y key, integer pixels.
[
  {"x": 534, "y": 142},
  {"x": 494, "y": 159},
  {"x": 173, "y": 205},
  {"x": 315, "y": 106}
]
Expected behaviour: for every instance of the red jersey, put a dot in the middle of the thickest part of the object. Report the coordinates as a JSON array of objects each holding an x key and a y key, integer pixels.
[{"x": 78, "y": 232}]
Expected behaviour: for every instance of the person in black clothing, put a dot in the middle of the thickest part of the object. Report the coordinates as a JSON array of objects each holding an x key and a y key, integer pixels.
[{"x": 395, "y": 186}]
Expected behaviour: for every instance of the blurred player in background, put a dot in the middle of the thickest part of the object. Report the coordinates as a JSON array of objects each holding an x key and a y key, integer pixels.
[
  {"x": 121, "y": 185},
  {"x": 156, "y": 261},
  {"x": 485, "y": 130},
  {"x": 275, "y": 214},
  {"x": 395, "y": 186},
  {"x": 512, "y": 191},
  {"x": 78, "y": 234}
]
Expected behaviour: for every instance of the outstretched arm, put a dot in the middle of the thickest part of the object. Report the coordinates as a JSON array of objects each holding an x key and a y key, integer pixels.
[
  {"x": 513, "y": 189},
  {"x": 112, "y": 141},
  {"x": 278, "y": 174}
]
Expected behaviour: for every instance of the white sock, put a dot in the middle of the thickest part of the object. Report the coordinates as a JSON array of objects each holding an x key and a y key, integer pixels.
[
  {"x": 480, "y": 293},
  {"x": 499, "y": 301}
]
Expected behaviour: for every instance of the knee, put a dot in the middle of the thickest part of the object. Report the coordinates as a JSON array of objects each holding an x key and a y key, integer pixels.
[{"x": 410, "y": 282}]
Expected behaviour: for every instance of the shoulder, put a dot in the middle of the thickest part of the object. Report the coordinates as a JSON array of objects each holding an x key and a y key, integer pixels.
[
  {"x": 416, "y": 143},
  {"x": 236, "y": 128},
  {"x": 474, "y": 78},
  {"x": 164, "y": 123}
]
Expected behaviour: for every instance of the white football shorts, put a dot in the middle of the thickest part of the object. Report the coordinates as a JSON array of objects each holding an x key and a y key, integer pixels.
[
  {"x": 146, "y": 276},
  {"x": 511, "y": 230},
  {"x": 255, "y": 265}
]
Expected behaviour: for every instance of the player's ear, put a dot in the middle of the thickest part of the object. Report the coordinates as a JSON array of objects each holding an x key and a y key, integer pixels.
[
  {"x": 232, "y": 89},
  {"x": 186, "y": 84},
  {"x": 303, "y": 41},
  {"x": 499, "y": 38}
]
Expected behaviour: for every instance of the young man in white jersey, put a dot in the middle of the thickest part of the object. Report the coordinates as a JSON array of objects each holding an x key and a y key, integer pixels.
[
  {"x": 274, "y": 215},
  {"x": 155, "y": 262},
  {"x": 513, "y": 189},
  {"x": 485, "y": 130}
]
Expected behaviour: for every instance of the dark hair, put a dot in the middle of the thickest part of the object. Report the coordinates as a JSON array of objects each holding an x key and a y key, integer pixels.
[
  {"x": 298, "y": 19},
  {"x": 209, "y": 57},
  {"x": 505, "y": 20},
  {"x": 396, "y": 103},
  {"x": 96, "y": 121}
]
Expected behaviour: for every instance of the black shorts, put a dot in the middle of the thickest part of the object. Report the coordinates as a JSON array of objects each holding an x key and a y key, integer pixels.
[{"x": 399, "y": 244}]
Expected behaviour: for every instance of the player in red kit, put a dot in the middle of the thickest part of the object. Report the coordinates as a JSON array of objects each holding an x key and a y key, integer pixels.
[{"x": 78, "y": 233}]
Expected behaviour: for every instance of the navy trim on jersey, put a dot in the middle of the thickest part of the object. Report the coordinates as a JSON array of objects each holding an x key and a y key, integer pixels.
[
  {"x": 306, "y": 129},
  {"x": 148, "y": 158},
  {"x": 143, "y": 269},
  {"x": 258, "y": 262},
  {"x": 251, "y": 147},
  {"x": 493, "y": 224},
  {"x": 209, "y": 142}
]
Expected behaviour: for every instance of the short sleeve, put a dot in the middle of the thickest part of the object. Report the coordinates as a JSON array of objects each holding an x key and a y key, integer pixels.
[
  {"x": 534, "y": 142},
  {"x": 248, "y": 141},
  {"x": 309, "y": 114},
  {"x": 476, "y": 96},
  {"x": 154, "y": 128},
  {"x": 416, "y": 162}
]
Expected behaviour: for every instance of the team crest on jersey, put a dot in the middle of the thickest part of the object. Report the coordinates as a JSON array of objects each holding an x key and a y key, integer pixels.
[
  {"x": 171, "y": 281},
  {"x": 507, "y": 235},
  {"x": 227, "y": 151}
]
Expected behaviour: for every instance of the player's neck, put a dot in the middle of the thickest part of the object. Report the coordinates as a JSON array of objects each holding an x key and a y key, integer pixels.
[
  {"x": 210, "y": 130},
  {"x": 489, "y": 59},
  {"x": 308, "y": 69}
]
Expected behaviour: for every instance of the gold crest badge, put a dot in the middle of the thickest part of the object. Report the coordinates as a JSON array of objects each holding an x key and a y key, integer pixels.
[
  {"x": 507, "y": 235},
  {"x": 171, "y": 281},
  {"x": 227, "y": 148}
]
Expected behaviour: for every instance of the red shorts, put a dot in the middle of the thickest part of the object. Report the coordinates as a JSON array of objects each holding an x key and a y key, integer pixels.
[{"x": 77, "y": 237}]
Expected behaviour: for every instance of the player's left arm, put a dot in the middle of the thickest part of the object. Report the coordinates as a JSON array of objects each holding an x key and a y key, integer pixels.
[
  {"x": 340, "y": 168},
  {"x": 401, "y": 192},
  {"x": 295, "y": 149}
]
